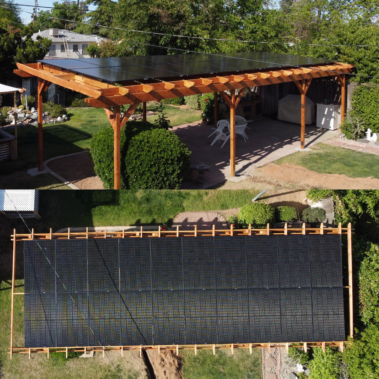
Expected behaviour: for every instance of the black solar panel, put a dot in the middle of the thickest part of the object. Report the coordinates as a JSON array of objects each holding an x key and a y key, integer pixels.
[
  {"x": 183, "y": 291},
  {"x": 139, "y": 68}
]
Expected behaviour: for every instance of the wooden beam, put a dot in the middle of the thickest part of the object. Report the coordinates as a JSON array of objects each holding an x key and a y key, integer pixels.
[
  {"x": 22, "y": 74},
  {"x": 116, "y": 149},
  {"x": 323, "y": 347},
  {"x": 13, "y": 287},
  {"x": 350, "y": 270},
  {"x": 239, "y": 96},
  {"x": 220, "y": 79},
  {"x": 227, "y": 100},
  {"x": 128, "y": 113},
  {"x": 61, "y": 82},
  {"x": 233, "y": 134},
  {"x": 237, "y": 78}
]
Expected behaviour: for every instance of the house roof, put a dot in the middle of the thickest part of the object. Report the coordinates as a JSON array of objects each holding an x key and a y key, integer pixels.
[{"x": 69, "y": 36}]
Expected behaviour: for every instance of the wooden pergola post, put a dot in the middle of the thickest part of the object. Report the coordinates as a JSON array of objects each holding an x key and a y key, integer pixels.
[
  {"x": 116, "y": 148},
  {"x": 12, "y": 294},
  {"x": 341, "y": 79},
  {"x": 233, "y": 102},
  {"x": 303, "y": 86},
  {"x": 43, "y": 85},
  {"x": 216, "y": 109},
  {"x": 15, "y": 124},
  {"x": 144, "y": 111}
]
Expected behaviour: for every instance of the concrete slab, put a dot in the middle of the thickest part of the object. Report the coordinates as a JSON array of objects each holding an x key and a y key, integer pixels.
[
  {"x": 269, "y": 140},
  {"x": 34, "y": 171}
]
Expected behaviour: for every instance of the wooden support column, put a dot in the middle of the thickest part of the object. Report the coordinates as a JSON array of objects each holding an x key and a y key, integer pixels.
[
  {"x": 350, "y": 269},
  {"x": 13, "y": 286},
  {"x": 116, "y": 148},
  {"x": 342, "y": 82},
  {"x": 233, "y": 134},
  {"x": 43, "y": 85},
  {"x": 40, "y": 122},
  {"x": 303, "y": 86},
  {"x": 216, "y": 109},
  {"x": 144, "y": 111},
  {"x": 232, "y": 102}
]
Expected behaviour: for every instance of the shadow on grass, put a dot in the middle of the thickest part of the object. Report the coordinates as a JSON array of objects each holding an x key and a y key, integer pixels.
[{"x": 57, "y": 140}]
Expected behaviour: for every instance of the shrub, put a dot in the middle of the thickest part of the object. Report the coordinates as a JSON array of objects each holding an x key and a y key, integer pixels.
[
  {"x": 325, "y": 365},
  {"x": 353, "y": 127},
  {"x": 102, "y": 155},
  {"x": 369, "y": 285},
  {"x": 256, "y": 214},
  {"x": 31, "y": 100},
  {"x": 4, "y": 111},
  {"x": 162, "y": 121},
  {"x": 2, "y": 121},
  {"x": 361, "y": 356},
  {"x": 298, "y": 355},
  {"x": 313, "y": 215},
  {"x": 207, "y": 106},
  {"x": 20, "y": 107},
  {"x": 192, "y": 101},
  {"x": 55, "y": 110},
  {"x": 79, "y": 103},
  {"x": 174, "y": 101},
  {"x": 364, "y": 103},
  {"x": 286, "y": 213},
  {"x": 156, "y": 159}
]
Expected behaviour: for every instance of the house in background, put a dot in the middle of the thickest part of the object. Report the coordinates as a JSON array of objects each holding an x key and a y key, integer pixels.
[{"x": 65, "y": 45}]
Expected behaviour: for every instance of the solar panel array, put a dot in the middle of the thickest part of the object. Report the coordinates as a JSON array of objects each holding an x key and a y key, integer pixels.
[
  {"x": 183, "y": 291},
  {"x": 123, "y": 69}
]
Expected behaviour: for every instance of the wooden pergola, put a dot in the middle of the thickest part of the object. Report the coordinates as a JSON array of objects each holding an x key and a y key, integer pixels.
[
  {"x": 111, "y": 97},
  {"x": 177, "y": 233}
]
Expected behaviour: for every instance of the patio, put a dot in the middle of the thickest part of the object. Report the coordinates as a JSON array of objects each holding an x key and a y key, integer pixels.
[{"x": 269, "y": 140}]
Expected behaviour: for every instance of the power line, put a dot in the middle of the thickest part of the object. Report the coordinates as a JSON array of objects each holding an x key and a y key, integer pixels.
[
  {"x": 222, "y": 39},
  {"x": 214, "y": 54}
]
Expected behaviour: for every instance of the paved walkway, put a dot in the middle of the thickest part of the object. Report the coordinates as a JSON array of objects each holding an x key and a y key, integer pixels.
[
  {"x": 365, "y": 147},
  {"x": 269, "y": 140},
  {"x": 271, "y": 363},
  {"x": 203, "y": 220}
]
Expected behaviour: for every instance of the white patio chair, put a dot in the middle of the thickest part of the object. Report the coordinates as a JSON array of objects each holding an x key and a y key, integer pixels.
[
  {"x": 220, "y": 135},
  {"x": 240, "y": 129},
  {"x": 241, "y": 119}
]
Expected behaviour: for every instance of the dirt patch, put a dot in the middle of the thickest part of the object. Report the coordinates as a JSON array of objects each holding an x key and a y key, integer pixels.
[
  {"x": 304, "y": 178},
  {"x": 166, "y": 365},
  {"x": 77, "y": 169}
]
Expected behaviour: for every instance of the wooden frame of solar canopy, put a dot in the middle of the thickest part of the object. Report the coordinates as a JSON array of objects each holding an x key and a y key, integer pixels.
[
  {"x": 111, "y": 97},
  {"x": 177, "y": 232}
]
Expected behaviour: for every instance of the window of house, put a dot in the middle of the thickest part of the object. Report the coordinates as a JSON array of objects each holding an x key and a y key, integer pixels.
[
  {"x": 76, "y": 49},
  {"x": 84, "y": 49},
  {"x": 62, "y": 49},
  {"x": 52, "y": 51}
]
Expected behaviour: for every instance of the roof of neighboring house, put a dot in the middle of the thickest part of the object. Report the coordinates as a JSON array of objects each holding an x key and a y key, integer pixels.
[{"x": 71, "y": 37}]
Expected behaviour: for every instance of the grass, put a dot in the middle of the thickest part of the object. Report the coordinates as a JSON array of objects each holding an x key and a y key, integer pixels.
[
  {"x": 326, "y": 159},
  {"x": 205, "y": 365},
  {"x": 75, "y": 135},
  {"x": 22, "y": 180},
  {"x": 143, "y": 207}
]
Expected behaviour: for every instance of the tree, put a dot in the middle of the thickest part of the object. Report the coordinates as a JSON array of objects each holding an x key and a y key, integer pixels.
[
  {"x": 62, "y": 12},
  {"x": 9, "y": 15},
  {"x": 108, "y": 49},
  {"x": 16, "y": 45}
]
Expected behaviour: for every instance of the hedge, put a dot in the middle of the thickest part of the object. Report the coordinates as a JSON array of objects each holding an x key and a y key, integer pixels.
[
  {"x": 256, "y": 214},
  {"x": 364, "y": 102},
  {"x": 286, "y": 214},
  {"x": 313, "y": 215},
  {"x": 151, "y": 158}
]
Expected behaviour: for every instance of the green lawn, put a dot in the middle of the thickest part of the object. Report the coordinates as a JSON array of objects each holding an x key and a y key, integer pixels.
[
  {"x": 143, "y": 207},
  {"x": 75, "y": 135},
  {"x": 326, "y": 159},
  {"x": 223, "y": 365}
]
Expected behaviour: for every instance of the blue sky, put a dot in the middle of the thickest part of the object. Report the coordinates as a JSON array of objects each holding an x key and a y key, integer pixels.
[{"x": 27, "y": 17}]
